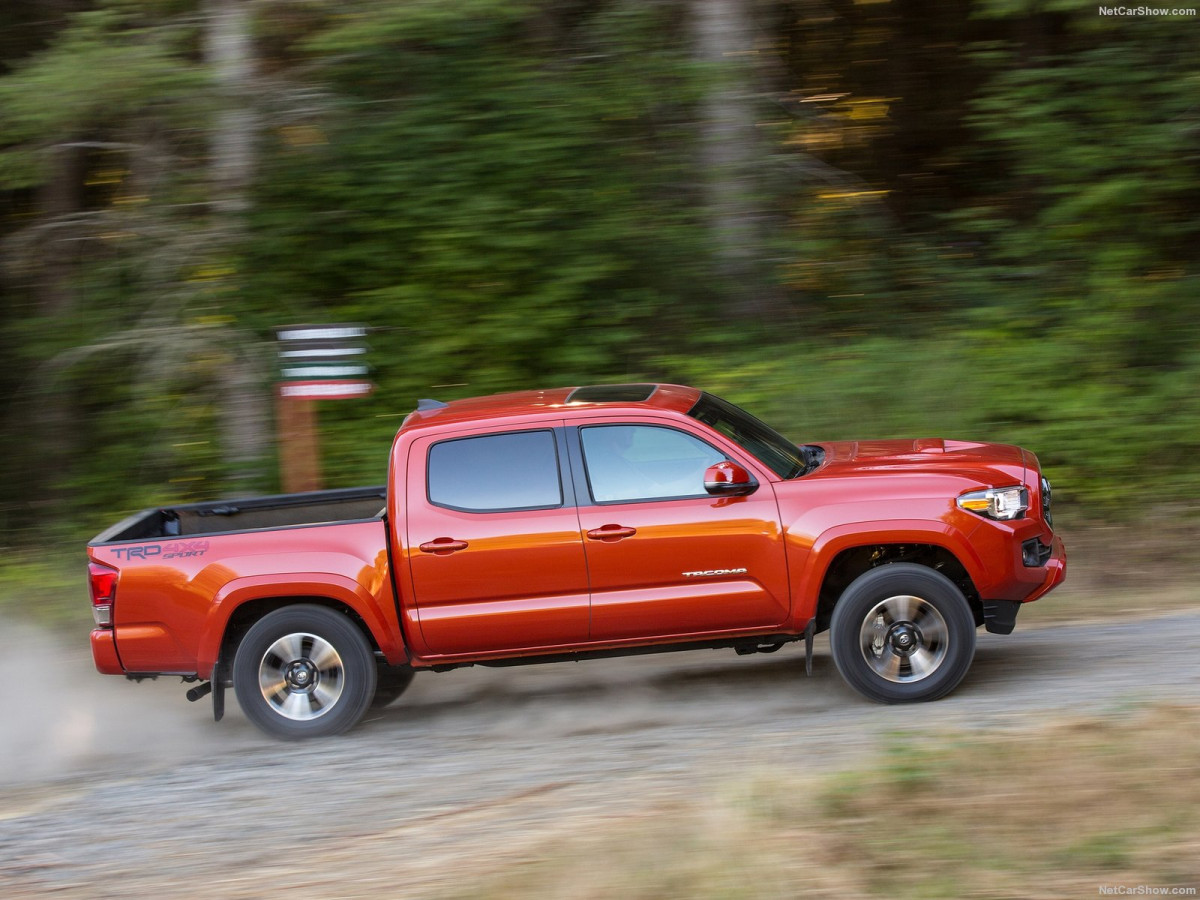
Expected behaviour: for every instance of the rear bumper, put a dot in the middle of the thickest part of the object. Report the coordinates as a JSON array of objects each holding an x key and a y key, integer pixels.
[{"x": 104, "y": 652}]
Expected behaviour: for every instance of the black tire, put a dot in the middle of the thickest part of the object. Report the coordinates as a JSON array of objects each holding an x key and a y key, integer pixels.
[
  {"x": 390, "y": 683},
  {"x": 902, "y": 633},
  {"x": 304, "y": 671}
]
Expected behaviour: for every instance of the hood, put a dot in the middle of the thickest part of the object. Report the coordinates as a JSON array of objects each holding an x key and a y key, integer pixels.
[{"x": 926, "y": 454}]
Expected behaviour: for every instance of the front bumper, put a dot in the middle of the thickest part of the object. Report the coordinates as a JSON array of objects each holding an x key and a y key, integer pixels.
[
  {"x": 1056, "y": 570},
  {"x": 1000, "y": 616}
]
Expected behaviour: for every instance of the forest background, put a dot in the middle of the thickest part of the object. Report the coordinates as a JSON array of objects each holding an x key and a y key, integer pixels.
[{"x": 857, "y": 219}]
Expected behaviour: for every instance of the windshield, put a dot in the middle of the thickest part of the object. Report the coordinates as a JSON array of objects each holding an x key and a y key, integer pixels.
[{"x": 764, "y": 443}]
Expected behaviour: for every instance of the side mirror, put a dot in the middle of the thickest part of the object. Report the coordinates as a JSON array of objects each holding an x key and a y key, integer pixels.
[{"x": 728, "y": 479}]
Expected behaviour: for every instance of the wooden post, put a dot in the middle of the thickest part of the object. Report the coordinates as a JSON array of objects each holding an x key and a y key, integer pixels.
[
  {"x": 299, "y": 452},
  {"x": 316, "y": 362}
]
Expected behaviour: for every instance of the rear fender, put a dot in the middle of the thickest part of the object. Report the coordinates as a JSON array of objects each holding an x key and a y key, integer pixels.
[{"x": 314, "y": 585}]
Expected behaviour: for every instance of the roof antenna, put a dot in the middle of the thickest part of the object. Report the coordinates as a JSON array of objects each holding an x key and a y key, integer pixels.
[{"x": 427, "y": 405}]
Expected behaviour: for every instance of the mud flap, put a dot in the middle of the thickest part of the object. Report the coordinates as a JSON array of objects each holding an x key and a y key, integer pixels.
[
  {"x": 219, "y": 681},
  {"x": 809, "y": 630}
]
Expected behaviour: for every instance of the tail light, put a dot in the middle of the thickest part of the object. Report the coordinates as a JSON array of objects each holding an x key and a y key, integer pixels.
[{"x": 102, "y": 582}]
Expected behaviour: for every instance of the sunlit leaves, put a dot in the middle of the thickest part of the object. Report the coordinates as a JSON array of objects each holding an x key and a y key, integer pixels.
[{"x": 101, "y": 69}]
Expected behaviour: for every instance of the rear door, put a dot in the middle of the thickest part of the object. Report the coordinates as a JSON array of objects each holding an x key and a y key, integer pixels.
[
  {"x": 665, "y": 558},
  {"x": 494, "y": 547}
]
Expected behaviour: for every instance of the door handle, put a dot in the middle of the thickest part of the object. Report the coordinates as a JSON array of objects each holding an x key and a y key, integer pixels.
[
  {"x": 611, "y": 533},
  {"x": 443, "y": 546}
]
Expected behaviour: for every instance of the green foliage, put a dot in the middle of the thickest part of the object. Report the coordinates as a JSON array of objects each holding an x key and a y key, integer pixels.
[
  {"x": 36, "y": 587},
  {"x": 1102, "y": 436},
  {"x": 103, "y": 69},
  {"x": 994, "y": 240},
  {"x": 1098, "y": 146},
  {"x": 504, "y": 218}
]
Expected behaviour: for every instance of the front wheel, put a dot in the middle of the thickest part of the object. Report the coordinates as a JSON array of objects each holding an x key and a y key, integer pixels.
[
  {"x": 902, "y": 633},
  {"x": 304, "y": 671}
]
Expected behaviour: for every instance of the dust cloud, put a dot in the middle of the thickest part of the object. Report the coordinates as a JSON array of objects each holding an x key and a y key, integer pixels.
[{"x": 63, "y": 719}]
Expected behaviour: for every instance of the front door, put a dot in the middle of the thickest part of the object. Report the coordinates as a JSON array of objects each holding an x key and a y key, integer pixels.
[
  {"x": 494, "y": 548},
  {"x": 666, "y": 558}
]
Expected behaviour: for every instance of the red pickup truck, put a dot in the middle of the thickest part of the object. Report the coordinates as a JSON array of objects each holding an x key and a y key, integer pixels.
[{"x": 571, "y": 523}]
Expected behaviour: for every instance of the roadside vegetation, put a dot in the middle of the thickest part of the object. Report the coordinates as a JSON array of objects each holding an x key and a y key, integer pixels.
[
  {"x": 48, "y": 590},
  {"x": 987, "y": 231},
  {"x": 1053, "y": 811}
]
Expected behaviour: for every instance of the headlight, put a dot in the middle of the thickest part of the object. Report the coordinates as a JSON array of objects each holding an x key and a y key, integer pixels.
[{"x": 997, "y": 503}]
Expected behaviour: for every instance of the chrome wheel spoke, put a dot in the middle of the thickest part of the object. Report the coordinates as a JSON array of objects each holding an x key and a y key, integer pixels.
[
  {"x": 288, "y": 648},
  {"x": 271, "y": 683},
  {"x": 324, "y": 657},
  {"x": 297, "y": 705},
  {"x": 922, "y": 662},
  {"x": 902, "y": 609},
  {"x": 933, "y": 628},
  {"x": 888, "y": 664},
  {"x": 326, "y": 693}
]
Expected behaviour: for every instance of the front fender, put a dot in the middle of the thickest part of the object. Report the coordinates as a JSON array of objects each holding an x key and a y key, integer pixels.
[{"x": 829, "y": 543}]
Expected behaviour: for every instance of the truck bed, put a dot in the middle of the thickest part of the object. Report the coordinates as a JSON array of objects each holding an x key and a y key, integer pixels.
[{"x": 249, "y": 514}]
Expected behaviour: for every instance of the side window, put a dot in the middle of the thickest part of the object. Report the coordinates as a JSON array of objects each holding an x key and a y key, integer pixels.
[
  {"x": 514, "y": 470},
  {"x": 644, "y": 462}
]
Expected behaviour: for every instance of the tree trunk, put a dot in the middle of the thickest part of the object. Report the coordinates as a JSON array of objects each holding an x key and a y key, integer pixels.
[
  {"x": 245, "y": 419},
  {"x": 51, "y": 412},
  {"x": 229, "y": 51},
  {"x": 729, "y": 150}
]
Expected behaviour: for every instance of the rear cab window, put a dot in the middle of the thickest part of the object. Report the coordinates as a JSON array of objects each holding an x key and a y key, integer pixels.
[{"x": 514, "y": 470}]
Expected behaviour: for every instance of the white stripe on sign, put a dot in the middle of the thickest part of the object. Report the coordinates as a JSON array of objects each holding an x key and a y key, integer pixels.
[
  {"x": 325, "y": 372},
  {"x": 321, "y": 334}
]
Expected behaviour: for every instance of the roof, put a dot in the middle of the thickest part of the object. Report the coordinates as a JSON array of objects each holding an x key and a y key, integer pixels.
[{"x": 556, "y": 402}]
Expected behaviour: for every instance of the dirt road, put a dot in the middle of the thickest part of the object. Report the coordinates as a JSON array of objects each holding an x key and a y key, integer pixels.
[{"x": 111, "y": 789}]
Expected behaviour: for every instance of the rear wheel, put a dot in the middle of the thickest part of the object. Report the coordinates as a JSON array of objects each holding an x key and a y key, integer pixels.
[
  {"x": 304, "y": 671},
  {"x": 902, "y": 633}
]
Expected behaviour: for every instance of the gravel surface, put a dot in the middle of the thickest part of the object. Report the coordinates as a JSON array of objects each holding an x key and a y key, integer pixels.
[{"x": 114, "y": 789}]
